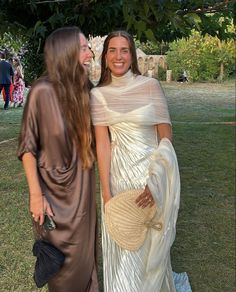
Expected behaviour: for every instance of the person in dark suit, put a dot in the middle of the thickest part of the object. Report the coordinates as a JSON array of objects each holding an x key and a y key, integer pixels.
[{"x": 6, "y": 78}]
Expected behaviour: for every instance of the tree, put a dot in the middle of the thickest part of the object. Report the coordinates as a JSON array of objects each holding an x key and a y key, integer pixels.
[
  {"x": 169, "y": 20},
  {"x": 152, "y": 48},
  {"x": 12, "y": 43},
  {"x": 162, "y": 20},
  {"x": 156, "y": 20}
]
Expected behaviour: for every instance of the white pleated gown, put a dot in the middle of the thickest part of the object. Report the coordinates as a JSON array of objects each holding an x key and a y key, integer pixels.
[{"x": 131, "y": 106}]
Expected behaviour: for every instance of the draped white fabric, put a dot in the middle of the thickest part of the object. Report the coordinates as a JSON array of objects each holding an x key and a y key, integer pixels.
[
  {"x": 128, "y": 99},
  {"x": 131, "y": 107}
]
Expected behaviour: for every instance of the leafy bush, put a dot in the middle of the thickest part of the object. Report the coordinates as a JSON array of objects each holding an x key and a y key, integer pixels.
[
  {"x": 33, "y": 62},
  {"x": 161, "y": 75},
  {"x": 12, "y": 43},
  {"x": 202, "y": 57},
  {"x": 152, "y": 48},
  {"x": 17, "y": 43}
]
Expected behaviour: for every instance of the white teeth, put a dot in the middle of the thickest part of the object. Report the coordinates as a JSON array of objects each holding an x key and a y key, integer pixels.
[{"x": 118, "y": 64}]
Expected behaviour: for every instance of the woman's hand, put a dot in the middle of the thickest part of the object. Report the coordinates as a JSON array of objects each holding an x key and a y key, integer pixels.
[
  {"x": 47, "y": 208},
  {"x": 106, "y": 198},
  {"x": 38, "y": 207},
  {"x": 145, "y": 199},
  {"x": 164, "y": 131}
]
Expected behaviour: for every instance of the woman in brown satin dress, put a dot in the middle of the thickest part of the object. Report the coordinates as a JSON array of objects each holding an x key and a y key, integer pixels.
[{"x": 56, "y": 149}]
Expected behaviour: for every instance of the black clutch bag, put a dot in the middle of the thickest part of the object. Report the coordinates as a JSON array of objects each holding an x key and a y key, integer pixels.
[{"x": 49, "y": 259}]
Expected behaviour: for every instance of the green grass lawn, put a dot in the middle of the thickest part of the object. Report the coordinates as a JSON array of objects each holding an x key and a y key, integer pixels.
[{"x": 203, "y": 118}]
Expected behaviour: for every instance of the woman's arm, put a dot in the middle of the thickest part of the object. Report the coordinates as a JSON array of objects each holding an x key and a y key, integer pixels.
[
  {"x": 164, "y": 131},
  {"x": 145, "y": 199},
  {"x": 103, "y": 147},
  {"x": 38, "y": 203}
]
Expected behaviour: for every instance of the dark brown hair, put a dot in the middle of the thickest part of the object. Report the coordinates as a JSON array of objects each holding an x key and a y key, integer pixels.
[
  {"x": 71, "y": 83},
  {"x": 105, "y": 72}
]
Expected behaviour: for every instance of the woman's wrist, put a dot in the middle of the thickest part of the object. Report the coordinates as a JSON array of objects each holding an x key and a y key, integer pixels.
[
  {"x": 106, "y": 196},
  {"x": 36, "y": 194}
]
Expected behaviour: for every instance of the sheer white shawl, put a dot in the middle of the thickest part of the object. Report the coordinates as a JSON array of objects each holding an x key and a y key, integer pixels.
[{"x": 129, "y": 98}]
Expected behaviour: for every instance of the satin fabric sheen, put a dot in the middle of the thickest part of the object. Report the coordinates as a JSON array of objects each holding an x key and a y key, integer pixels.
[
  {"x": 69, "y": 189},
  {"x": 134, "y": 143}
]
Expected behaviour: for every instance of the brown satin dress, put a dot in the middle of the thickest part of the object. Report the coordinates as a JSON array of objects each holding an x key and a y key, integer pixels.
[{"x": 69, "y": 189}]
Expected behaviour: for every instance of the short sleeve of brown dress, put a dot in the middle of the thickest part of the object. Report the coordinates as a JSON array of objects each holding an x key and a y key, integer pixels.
[{"x": 69, "y": 189}]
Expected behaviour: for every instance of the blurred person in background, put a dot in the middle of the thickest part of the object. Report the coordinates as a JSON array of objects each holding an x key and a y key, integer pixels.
[
  {"x": 6, "y": 78},
  {"x": 19, "y": 84}
]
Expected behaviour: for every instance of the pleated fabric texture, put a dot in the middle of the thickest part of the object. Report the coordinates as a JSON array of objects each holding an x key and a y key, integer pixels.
[{"x": 131, "y": 106}]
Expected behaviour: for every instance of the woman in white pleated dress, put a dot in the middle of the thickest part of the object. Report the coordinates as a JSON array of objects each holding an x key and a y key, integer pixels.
[{"x": 131, "y": 117}]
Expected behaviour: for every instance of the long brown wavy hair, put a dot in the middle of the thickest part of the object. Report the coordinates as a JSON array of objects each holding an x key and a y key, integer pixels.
[
  {"x": 71, "y": 83},
  {"x": 105, "y": 78}
]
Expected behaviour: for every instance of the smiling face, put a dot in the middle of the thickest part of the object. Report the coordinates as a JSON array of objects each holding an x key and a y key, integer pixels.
[
  {"x": 85, "y": 54},
  {"x": 118, "y": 56}
]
